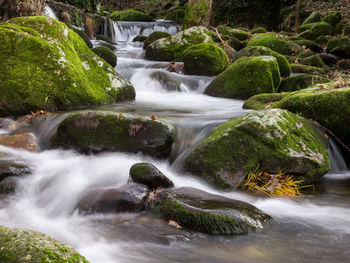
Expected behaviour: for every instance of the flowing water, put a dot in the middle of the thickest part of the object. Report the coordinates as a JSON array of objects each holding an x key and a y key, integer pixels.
[{"x": 313, "y": 228}]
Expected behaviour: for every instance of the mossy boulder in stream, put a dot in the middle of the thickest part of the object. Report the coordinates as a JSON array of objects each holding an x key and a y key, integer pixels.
[
  {"x": 205, "y": 59},
  {"x": 45, "y": 65},
  {"x": 271, "y": 140},
  {"x": 107, "y": 131},
  {"x": 246, "y": 77},
  {"x": 212, "y": 214},
  {"x": 154, "y": 37},
  {"x": 172, "y": 47},
  {"x": 27, "y": 246},
  {"x": 106, "y": 54},
  {"x": 274, "y": 42},
  {"x": 283, "y": 63},
  {"x": 133, "y": 15}
]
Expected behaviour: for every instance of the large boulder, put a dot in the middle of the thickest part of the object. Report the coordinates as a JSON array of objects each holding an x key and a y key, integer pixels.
[
  {"x": 172, "y": 47},
  {"x": 45, "y": 65},
  {"x": 246, "y": 77},
  {"x": 212, "y": 214},
  {"x": 314, "y": 30},
  {"x": 27, "y": 246},
  {"x": 107, "y": 131},
  {"x": 283, "y": 63},
  {"x": 154, "y": 37},
  {"x": 274, "y": 42},
  {"x": 272, "y": 140},
  {"x": 148, "y": 174},
  {"x": 205, "y": 59},
  {"x": 128, "y": 198},
  {"x": 133, "y": 15},
  {"x": 24, "y": 140}
]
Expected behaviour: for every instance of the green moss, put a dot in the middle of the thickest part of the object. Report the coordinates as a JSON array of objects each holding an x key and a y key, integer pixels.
[
  {"x": 313, "y": 30},
  {"x": 314, "y": 61},
  {"x": 246, "y": 77},
  {"x": 302, "y": 81},
  {"x": 177, "y": 15},
  {"x": 322, "y": 40},
  {"x": 106, "y": 54},
  {"x": 333, "y": 18},
  {"x": 313, "y": 17},
  {"x": 272, "y": 41},
  {"x": 337, "y": 42},
  {"x": 104, "y": 38},
  {"x": 308, "y": 44},
  {"x": 45, "y": 65},
  {"x": 132, "y": 15},
  {"x": 115, "y": 16},
  {"x": 283, "y": 63},
  {"x": 154, "y": 37},
  {"x": 264, "y": 100},
  {"x": 284, "y": 143},
  {"x": 84, "y": 36},
  {"x": 259, "y": 30},
  {"x": 139, "y": 39},
  {"x": 236, "y": 33},
  {"x": 299, "y": 68},
  {"x": 205, "y": 59},
  {"x": 196, "y": 13},
  {"x": 30, "y": 246},
  {"x": 305, "y": 54}
]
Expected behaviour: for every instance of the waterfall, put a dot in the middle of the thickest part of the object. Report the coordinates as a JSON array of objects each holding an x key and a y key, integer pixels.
[
  {"x": 50, "y": 13},
  {"x": 338, "y": 163},
  {"x": 126, "y": 31}
]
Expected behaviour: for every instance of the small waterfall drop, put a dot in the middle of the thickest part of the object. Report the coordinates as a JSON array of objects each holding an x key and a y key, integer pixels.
[
  {"x": 338, "y": 164},
  {"x": 50, "y": 13},
  {"x": 127, "y": 31}
]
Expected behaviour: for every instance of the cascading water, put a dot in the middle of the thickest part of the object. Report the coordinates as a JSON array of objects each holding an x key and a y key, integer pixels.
[
  {"x": 313, "y": 228},
  {"x": 49, "y": 12}
]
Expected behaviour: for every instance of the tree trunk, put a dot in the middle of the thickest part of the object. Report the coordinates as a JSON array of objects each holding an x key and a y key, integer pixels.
[
  {"x": 198, "y": 13},
  {"x": 297, "y": 13},
  {"x": 15, "y": 8}
]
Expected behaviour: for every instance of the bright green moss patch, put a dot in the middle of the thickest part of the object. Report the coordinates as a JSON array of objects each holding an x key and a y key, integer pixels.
[
  {"x": 205, "y": 59},
  {"x": 132, "y": 15},
  {"x": 274, "y": 42}
]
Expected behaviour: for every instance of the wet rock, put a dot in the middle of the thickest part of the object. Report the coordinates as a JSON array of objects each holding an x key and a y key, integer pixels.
[
  {"x": 8, "y": 124},
  {"x": 139, "y": 39},
  {"x": 129, "y": 198},
  {"x": 105, "y": 38},
  {"x": 8, "y": 185},
  {"x": 148, "y": 174},
  {"x": 212, "y": 214},
  {"x": 172, "y": 47},
  {"x": 106, "y": 131},
  {"x": 274, "y": 140},
  {"x": 46, "y": 66},
  {"x": 154, "y": 37},
  {"x": 205, "y": 59},
  {"x": 25, "y": 140},
  {"x": 246, "y": 77},
  {"x": 10, "y": 169},
  {"x": 27, "y": 246},
  {"x": 166, "y": 81}
]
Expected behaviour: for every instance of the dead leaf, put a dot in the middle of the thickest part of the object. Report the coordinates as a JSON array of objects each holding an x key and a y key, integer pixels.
[{"x": 173, "y": 223}]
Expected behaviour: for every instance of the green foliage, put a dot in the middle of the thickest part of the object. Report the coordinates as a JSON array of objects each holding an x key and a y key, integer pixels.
[
  {"x": 196, "y": 13},
  {"x": 88, "y": 5}
]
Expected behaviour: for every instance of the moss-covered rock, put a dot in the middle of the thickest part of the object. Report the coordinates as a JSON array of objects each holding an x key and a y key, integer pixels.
[
  {"x": 342, "y": 51},
  {"x": 299, "y": 68},
  {"x": 314, "y": 30},
  {"x": 84, "y": 36},
  {"x": 106, "y": 131},
  {"x": 305, "y": 54},
  {"x": 246, "y": 77},
  {"x": 148, "y": 174},
  {"x": 236, "y": 33},
  {"x": 333, "y": 18},
  {"x": 259, "y": 30},
  {"x": 300, "y": 81},
  {"x": 314, "y": 61},
  {"x": 272, "y": 41},
  {"x": 207, "y": 213},
  {"x": 108, "y": 45},
  {"x": 106, "y": 54},
  {"x": 283, "y": 63},
  {"x": 264, "y": 100},
  {"x": 139, "y": 39},
  {"x": 235, "y": 43},
  {"x": 205, "y": 59},
  {"x": 329, "y": 59},
  {"x": 26, "y": 246},
  {"x": 105, "y": 38},
  {"x": 329, "y": 107},
  {"x": 166, "y": 80},
  {"x": 154, "y": 37},
  {"x": 337, "y": 42},
  {"x": 322, "y": 40},
  {"x": 45, "y": 65},
  {"x": 313, "y": 17},
  {"x": 274, "y": 140},
  {"x": 308, "y": 44},
  {"x": 172, "y": 47},
  {"x": 132, "y": 15},
  {"x": 177, "y": 15}
]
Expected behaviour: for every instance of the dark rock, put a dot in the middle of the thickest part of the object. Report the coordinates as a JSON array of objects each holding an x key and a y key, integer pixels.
[
  {"x": 106, "y": 54},
  {"x": 329, "y": 59},
  {"x": 166, "y": 81},
  {"x": 12, "y": 169},
  {"x": 212, "y": 214},
  {"x": 128, "y": 198},
  {"x": 148, "y": 174},
  {"x": 105, "y": 38},
  {"x": 24, "y": 140},
  {"x": 139, "y": 39},
  {"x": 300, "y": 81},
  {"x": 106, "y": 131}
]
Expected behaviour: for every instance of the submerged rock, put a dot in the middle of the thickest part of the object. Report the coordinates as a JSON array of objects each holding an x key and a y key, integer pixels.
[
  {"x": 246, "y": 77},
  {"x": 148, "y": 174},
  {"x": 24, "y": 140},
  {"x": 45, "y": 65},
  {"x": 172, "y": 47},
  {"x": 205, "y": 59},
  {"x": 27, "y": 246},
  {"x": 107, "y": 131},
  {"x": 212, "y": 214},
  {"x": 129, "y": 198},
  {"x": 271, "y": 140}
]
